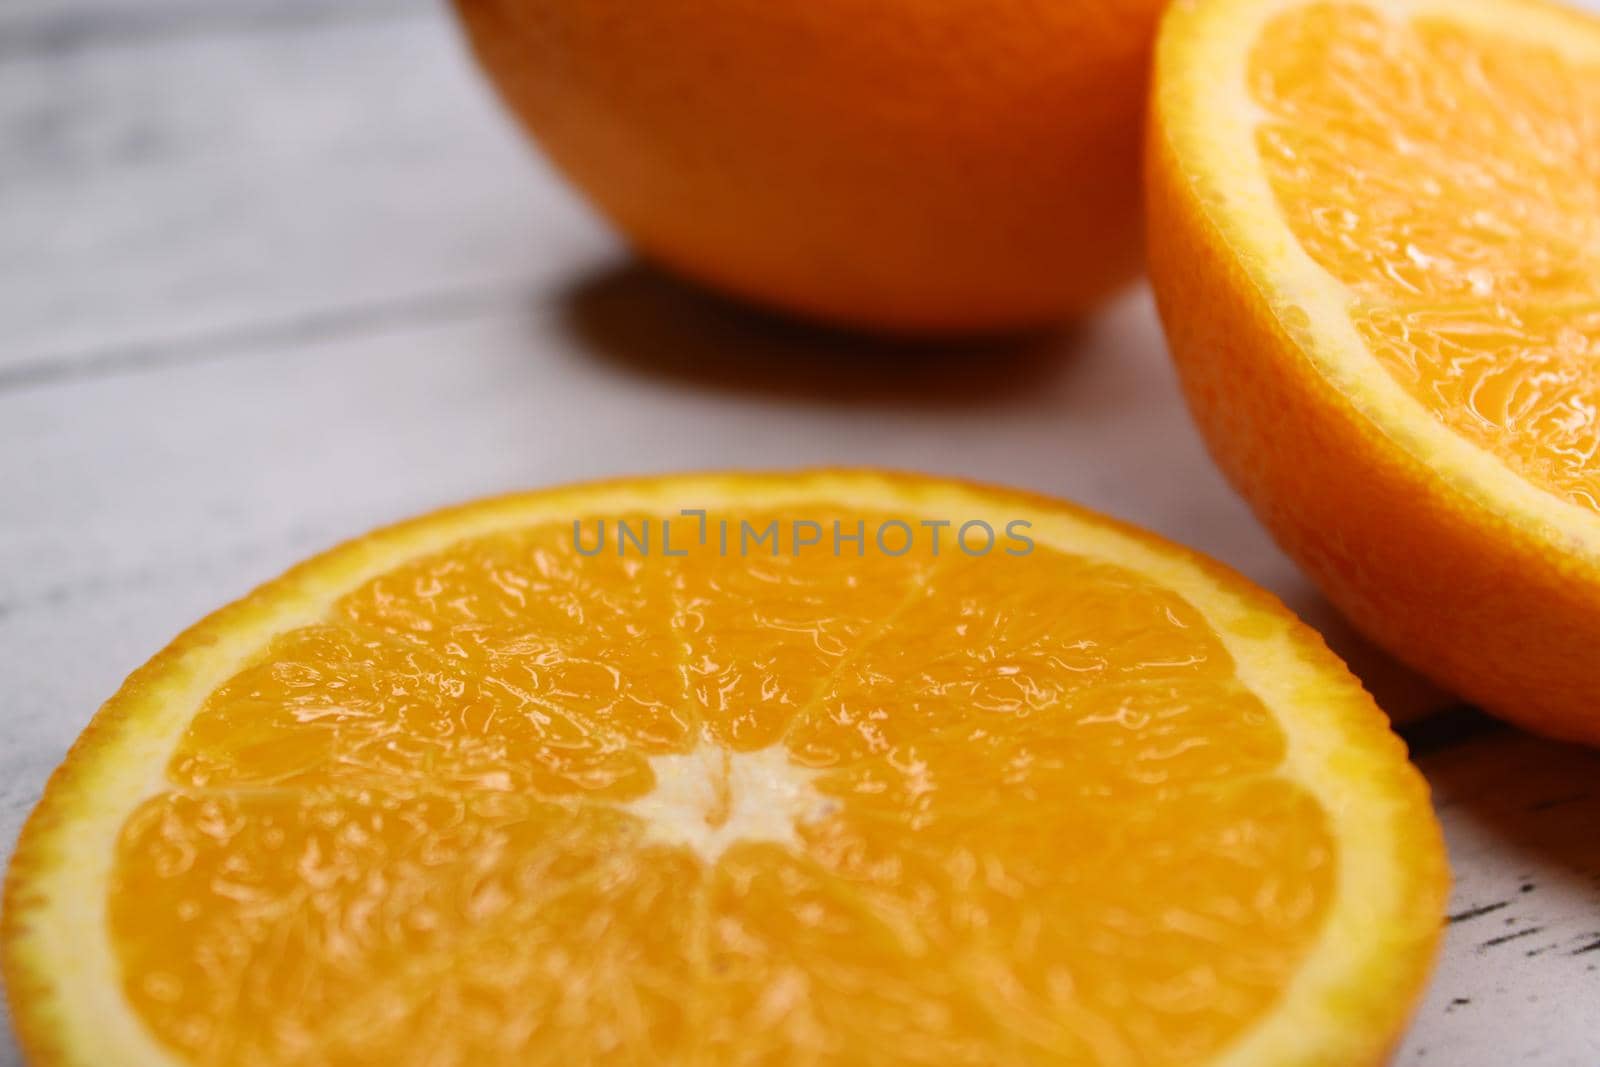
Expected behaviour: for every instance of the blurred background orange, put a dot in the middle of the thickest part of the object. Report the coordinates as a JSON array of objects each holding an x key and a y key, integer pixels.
[{"x": 970, "y": 165}]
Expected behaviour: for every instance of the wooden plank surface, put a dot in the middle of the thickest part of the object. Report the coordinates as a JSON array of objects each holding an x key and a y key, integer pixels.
[
  {"x": 164, "y": 190},
  {"x": 273, "y": 273}
]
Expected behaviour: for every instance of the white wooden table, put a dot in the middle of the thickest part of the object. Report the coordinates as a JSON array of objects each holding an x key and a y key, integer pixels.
[{"x": 275, "y": 271}]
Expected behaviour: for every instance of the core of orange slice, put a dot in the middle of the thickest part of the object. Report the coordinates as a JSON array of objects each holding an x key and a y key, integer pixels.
[
  {"x": 824, "y": 768},
  {"x": 1375, "y": 238}
]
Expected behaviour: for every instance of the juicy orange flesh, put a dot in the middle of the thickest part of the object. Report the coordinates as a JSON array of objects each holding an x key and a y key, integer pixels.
[
  {"x": 1044, "y": 826},
  {"x": 1451, "y": 180}
]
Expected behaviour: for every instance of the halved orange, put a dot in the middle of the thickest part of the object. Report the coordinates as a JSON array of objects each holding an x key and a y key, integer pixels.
[
  {"x": 1374, "y": 233},
  {"x": 773, "y": 782}
]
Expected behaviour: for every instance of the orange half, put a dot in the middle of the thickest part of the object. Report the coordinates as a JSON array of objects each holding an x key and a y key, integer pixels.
[
  {"x": 1374, "y": 235},
  {"x": 498, "y": 786}
]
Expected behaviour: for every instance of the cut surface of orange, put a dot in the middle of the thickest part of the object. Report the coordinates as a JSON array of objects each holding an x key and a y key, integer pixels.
[
  {"x": 1375, "y": 237},
  {"x": 574, "y": 777}
]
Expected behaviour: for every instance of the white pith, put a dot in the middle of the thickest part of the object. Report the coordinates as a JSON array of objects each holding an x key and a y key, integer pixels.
[{"x": 711, "y": 798}]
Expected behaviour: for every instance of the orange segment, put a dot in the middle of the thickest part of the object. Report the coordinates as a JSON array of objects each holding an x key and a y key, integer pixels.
[
  {"x": 1450, "y": 181},
  {"x": 762, "y": 640},
  {"x": 464, "y": 793},
  {"x": 1375, "y": 240}
]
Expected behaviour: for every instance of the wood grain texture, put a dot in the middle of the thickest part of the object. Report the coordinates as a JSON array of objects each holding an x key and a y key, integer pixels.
[
  {"x": 1520, "y": 975},
  {"x": 37, "y": 27},
  {"x": 177, "y": 189},
  {"x": 273, "y": 273}
]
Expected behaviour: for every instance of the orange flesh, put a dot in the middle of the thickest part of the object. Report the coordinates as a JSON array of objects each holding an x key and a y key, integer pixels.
[
  {"x": 1451, "y": 181},
  {"x": 1041, "y": 823}
]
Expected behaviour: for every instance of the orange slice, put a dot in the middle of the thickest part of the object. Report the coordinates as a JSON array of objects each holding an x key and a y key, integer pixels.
[
  {"x": 462, "y": 793},
  {"x": 1374, "y": 234}
]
